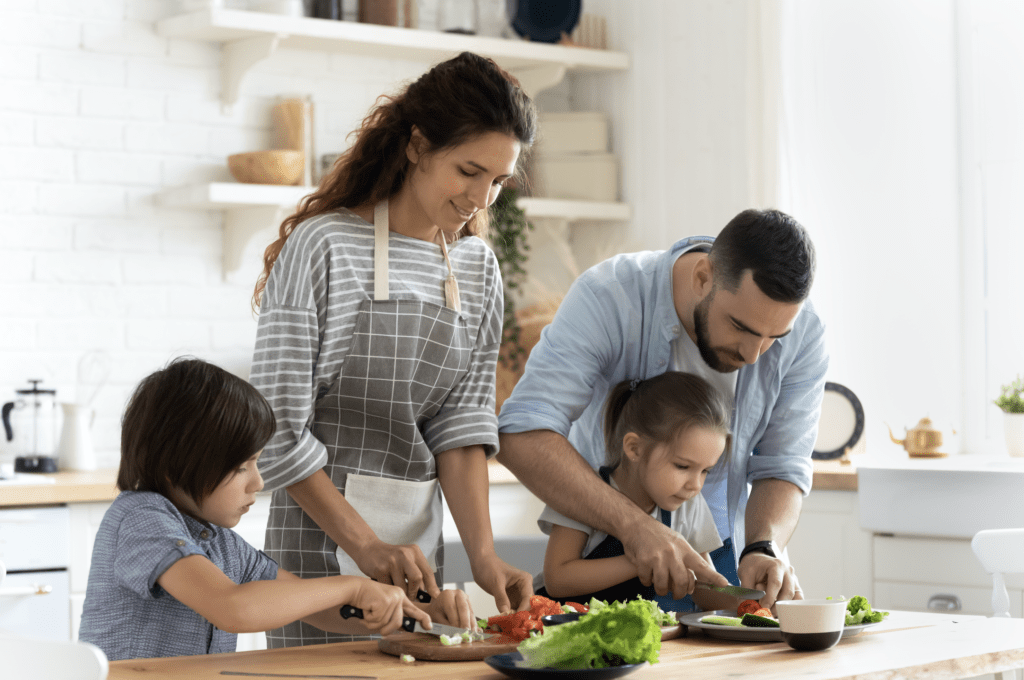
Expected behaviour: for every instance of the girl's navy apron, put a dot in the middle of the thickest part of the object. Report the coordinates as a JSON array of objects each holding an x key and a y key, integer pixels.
[
  {"x": 612, "y": 547},
  {"x": 405, "y": 358}
]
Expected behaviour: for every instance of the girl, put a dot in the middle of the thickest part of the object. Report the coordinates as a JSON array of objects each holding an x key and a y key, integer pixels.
[
  {"x": 168, "y": 576},
  {"x": 380, "y": 319},
  {"x": 663, "y": 437}
]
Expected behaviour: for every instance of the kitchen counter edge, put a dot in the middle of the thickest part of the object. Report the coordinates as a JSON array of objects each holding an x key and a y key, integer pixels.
[{"x": 99, "y": 485}]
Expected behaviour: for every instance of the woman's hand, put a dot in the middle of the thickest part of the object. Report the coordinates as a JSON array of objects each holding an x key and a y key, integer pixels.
[
  {"x": 452, "y": 608},
  {"x": 402, "y": 565},
  {"x": 511, "y": 587},
  {"x": 384, "y": 606}
]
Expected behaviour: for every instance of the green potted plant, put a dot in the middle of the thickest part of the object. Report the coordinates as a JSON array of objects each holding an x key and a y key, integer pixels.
[
  {"x": 509, "y": 227},
  {"x": 1011, "y": 403}
]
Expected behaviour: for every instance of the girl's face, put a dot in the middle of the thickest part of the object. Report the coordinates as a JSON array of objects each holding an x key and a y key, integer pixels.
[
  {"x": 674, "y": 472},
  {"x": 233, "y": 496},
  {"x": 449, "y": 187}
]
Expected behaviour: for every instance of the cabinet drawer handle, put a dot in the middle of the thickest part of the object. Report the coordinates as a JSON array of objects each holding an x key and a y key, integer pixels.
[
  {"x": 26, "y": 590},
  {"x": 944, "y": 602}
]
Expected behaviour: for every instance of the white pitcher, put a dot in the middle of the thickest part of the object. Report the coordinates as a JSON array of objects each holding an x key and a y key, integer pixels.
[{"x": 76, "y": 451}]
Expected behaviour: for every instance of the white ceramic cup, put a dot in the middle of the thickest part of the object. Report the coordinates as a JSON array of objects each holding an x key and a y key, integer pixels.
[{"x": 811, "y": 625}]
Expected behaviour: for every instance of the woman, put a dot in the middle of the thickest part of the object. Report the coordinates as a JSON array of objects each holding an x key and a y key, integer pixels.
[{"x": 380, "y": 323}]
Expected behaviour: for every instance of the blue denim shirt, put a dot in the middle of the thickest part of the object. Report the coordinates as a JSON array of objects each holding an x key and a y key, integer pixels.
[
  {"x": 127, "y": 614},
  {"x": 617, "y": 322}
]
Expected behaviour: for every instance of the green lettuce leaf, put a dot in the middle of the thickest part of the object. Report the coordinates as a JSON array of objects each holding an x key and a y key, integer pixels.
[
  {"x": 615, "y": 634},
  {"x": 858, "y": 611}
]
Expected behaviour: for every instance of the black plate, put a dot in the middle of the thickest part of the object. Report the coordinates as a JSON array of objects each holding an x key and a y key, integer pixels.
[
  {"x": 841, "y": 424},
  {"x": 543, "y": 20},
  {"x": 506, "y": 663}
]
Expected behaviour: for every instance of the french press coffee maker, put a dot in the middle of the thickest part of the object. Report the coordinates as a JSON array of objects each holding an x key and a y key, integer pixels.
[{"x": 30, "y": 421}]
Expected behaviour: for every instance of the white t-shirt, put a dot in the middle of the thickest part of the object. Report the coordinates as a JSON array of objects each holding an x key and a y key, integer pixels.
[
  {"x": 686, "y": 358},
  {"x": 692, "y": 520}
]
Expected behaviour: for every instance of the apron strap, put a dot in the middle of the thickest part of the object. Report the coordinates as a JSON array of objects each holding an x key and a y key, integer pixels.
[
  {"x": 380, "y": 251},
  {"x": 452, "y": 299}
]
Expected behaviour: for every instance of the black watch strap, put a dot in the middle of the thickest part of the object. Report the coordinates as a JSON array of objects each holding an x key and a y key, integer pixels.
[{"x": 766, "y": 547}]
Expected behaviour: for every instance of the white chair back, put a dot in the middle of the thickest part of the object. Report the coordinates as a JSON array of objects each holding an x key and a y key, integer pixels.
[
  {"x": 1000, "y": 551},
  {"x": 25, "y": 659}
]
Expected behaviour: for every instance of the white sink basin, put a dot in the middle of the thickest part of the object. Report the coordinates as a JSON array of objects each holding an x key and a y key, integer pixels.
[{"x": 956, "y": 496}]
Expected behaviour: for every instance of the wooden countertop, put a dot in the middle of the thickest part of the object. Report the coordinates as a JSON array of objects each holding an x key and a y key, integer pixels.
[
  {"x": 62, "y": 487},
  {"x": 908, "y": 644},
  {"x": 86, "y": 487}
]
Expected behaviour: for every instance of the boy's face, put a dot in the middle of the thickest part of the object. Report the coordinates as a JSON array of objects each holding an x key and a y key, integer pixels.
[{"x": 233, "y": 496}]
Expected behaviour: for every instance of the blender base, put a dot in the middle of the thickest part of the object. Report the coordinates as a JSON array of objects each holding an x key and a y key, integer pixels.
[{"x": 35, "y": 464}]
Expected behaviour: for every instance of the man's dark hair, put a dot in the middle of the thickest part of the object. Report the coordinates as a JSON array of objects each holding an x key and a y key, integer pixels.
[
  {"x": 773, "y": 246},
  {"x": 188, "y": 426}
]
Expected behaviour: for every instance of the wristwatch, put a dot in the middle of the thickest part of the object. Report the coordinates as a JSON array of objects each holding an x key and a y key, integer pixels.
[{"x": 766, "y": 547}]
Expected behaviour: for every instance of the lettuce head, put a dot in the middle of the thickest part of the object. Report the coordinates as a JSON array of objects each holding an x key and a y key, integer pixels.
[{"x": 614, "y": 635}]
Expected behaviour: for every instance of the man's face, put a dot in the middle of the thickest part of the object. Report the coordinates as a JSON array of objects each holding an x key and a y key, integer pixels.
[{"x": 735, "y": 328}]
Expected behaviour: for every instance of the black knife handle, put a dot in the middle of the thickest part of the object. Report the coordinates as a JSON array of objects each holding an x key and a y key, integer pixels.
[
  {"x": 423, "y": 596},
  {"x": 348, "y": 611}
]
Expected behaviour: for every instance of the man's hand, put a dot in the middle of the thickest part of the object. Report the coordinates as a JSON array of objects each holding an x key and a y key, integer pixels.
[
  {"x": 402, "y": 565},
  {"x": 664, "y": 558},
  {"x": 510, "y": 587},
  {"x": 772, "y": 575}
]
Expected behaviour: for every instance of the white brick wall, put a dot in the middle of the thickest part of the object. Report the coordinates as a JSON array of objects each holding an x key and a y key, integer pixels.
[{"x": 99, "y": 115}]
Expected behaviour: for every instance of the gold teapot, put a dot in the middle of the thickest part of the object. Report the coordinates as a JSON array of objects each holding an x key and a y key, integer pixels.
[{"x": 922, "y": 441}]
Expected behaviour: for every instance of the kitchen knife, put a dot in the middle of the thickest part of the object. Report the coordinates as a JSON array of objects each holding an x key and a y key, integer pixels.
[
  {"x": 735, "y": 591},
  {"x": 413, "y": 626}
]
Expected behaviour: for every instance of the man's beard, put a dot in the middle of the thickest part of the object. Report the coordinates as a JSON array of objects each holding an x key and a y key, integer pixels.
[{"x": 700, "y": 326}]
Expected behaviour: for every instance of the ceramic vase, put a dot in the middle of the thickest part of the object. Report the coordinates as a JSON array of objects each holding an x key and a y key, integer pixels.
[{"x": 1013, "y": 428}]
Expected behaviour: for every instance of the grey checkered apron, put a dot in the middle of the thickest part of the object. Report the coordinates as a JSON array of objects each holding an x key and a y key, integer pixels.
[{"x": 405, "y": 358}]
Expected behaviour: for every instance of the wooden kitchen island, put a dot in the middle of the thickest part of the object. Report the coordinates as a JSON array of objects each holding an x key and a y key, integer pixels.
[{"x": 907, "y": 645}]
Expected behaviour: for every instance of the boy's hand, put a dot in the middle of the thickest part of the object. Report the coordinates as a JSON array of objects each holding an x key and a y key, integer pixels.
[
  {"x": 451, "y": 607},
  {"x": 384, "y": 606}
]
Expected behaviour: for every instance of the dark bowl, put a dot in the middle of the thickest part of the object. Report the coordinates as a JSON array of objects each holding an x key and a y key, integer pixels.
[
  {"x": 812, "y": 642},
  {"x": 555, "y": 619}
]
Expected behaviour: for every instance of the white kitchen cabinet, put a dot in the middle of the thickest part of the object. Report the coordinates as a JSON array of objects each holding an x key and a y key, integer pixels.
[
  {"x": 912, "y": 571},
  {"x": 85, "y": 523},
  {"x": 829, "y": 551}
]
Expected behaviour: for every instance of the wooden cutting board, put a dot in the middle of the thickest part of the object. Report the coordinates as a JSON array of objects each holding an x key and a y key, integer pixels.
[{"x": 424, "y": 647}]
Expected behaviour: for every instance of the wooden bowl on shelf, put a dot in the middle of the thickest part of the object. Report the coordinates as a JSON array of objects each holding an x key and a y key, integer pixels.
[{"x": 277, "y": 166}]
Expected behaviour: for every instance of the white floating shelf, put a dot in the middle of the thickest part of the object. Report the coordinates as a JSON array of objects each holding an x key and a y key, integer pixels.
[
  {"x": 574, "y": 210},
  {"x": 226, "y": 195},
  {"x": 253, "y": 210},
  {"x": 250, "y": 37}
]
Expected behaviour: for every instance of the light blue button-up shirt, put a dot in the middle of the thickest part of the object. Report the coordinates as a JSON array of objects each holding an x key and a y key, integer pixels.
[{"x": 617, "y": 322}]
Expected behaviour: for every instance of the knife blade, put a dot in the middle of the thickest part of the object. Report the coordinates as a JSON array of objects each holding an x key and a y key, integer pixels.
[
  {"x": 413, "y": 626},
  {"x": 735, "y": 591}
]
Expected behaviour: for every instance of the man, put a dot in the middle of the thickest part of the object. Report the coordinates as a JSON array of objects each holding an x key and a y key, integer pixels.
[{"x": 733, "y": 309}]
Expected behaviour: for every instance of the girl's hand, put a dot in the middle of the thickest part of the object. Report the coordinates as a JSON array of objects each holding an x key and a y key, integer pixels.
[
  {"x": 402, "y": 565},
  {"x": 452, "y": 608},
  {"x": 384, "y": 606},
  {"x": 511, "y": 587}
]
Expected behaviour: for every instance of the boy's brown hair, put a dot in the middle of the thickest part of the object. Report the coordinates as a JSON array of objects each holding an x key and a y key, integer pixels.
[{"x": 188, "y": 426}]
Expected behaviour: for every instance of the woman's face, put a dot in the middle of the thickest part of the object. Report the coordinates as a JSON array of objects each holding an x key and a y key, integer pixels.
[{"x": 448, "y": 187}]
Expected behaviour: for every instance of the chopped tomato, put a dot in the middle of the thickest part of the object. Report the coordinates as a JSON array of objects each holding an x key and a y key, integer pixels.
[
  {"x": 748, "y": 607},
  {"x": 581, "y": 608},
  {"x": 543, "y": 606},
  {"x": 763, "y": 612}
]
